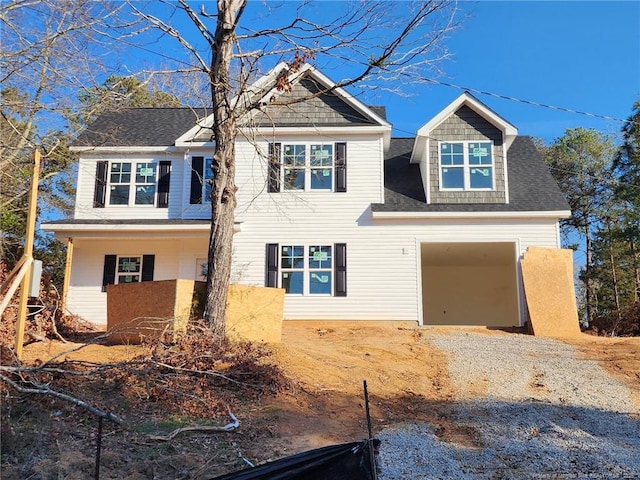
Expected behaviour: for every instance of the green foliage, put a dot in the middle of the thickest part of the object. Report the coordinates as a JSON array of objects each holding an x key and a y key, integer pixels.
[
  {"x": 602, "y": 184},
  {"x": 118, "y": 92}
]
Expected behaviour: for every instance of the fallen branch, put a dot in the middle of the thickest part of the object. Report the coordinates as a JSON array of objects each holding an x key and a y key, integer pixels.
[
  {"x": 199, "y": 428},
  {"x": 45, "y": 390}
]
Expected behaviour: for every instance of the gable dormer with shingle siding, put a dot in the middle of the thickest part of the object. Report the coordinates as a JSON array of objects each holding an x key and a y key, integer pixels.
[{"x": 462, "y": 153}]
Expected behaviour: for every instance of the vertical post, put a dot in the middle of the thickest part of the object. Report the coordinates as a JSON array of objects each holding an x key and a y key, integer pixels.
[
  {"x": 372, "y": 456},
  {"x": 67, "y": 275},
  {"x": 28, "y": 253},
  {"x": 96, "y": 475}
]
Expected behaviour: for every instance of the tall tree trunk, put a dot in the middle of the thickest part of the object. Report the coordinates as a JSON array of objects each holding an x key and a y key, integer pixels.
[
  {"x": 587, "y": 275},
  {"x": 614, "y": 278},
  {"x": 636, "y": 270},
  {"x": 223, "y": 191}
]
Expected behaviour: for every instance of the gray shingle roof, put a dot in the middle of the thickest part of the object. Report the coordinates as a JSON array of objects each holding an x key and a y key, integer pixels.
[
  {"x": 531, "y": 186},
  {"x": 140, "y": 127},
  {"x": 149, "y": 127}
]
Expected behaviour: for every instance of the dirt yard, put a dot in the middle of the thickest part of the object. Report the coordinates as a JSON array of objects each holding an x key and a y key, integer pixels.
[{"x": 407, "y": 381}]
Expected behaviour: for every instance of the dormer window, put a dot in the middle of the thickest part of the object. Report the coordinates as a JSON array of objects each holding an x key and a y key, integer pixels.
[{"x": 466, "y": 166}]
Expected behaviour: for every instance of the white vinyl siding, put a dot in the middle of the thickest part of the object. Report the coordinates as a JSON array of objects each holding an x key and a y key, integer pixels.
[
  {"x": 382, "y": 263},
  {"x": 364, "y": 178}
]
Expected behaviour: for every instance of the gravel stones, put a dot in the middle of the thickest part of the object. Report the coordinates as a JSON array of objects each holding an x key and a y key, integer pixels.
[{"x": 536, "y": 410}]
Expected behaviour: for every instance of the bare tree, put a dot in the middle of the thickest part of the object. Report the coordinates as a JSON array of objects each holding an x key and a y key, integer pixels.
[
  {"x": 50, "y": 50},
  {"x": 369, "y": 37}
]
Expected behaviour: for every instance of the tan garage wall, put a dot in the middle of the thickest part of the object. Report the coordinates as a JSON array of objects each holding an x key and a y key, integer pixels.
[{"x": 470, "y": 295}]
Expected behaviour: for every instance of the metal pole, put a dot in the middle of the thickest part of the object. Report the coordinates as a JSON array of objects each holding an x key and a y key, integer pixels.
[
  {"x": 372, "y": 456},
  {"x": 28, "y": 253},
  {"x": 98, "y": 449}
]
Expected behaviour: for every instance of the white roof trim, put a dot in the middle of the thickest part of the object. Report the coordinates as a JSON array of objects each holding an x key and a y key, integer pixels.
[
  {"x": 268, "y": 132},
  {"x": 466, "y": 99},
  {"x": 459, "y": 215},
  {"x": 117, "y": 228}
]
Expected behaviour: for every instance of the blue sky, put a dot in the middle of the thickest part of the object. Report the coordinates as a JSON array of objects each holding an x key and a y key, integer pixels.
[{"x": 578, "y": 55}]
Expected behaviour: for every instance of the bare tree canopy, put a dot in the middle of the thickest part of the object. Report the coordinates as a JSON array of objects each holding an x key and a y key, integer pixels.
[{"x": 365, "y": 43}]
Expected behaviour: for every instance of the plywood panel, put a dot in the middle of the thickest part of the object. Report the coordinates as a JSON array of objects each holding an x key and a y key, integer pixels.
[
  {"x": 547, "y": 274},
  {"x": 255, "y": 313},
  {"x": 147, "y": 309}
]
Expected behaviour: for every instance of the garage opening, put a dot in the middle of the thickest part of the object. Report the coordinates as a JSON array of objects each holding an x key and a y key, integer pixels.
[{"x": 473, "y": 283}]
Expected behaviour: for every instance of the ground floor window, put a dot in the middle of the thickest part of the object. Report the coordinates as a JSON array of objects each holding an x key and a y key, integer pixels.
[
  {"x": 129, "y": 269},
  {"x": 120, "y": 269},
  {"x": 306, "y": 270},
  {"x": 314, "y": 269}
]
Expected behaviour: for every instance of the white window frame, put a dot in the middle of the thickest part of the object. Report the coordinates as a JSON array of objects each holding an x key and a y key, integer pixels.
[
  {"x": 308, "y": 168},
  {"x": 132, "y": 184},
  {"x": 306, "y": 270},
  {"x": 466, "y": 166},
  {"x": 118, "y": 272}
]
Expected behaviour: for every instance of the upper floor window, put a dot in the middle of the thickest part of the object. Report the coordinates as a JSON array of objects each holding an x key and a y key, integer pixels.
[
  {"x": 201, "y": 179},
  {"x": 307, "y": 167},
  {"x": 132, "y": 188},
  {"x": 466, "y": 165},
  {"x": 132, "y": 183}
]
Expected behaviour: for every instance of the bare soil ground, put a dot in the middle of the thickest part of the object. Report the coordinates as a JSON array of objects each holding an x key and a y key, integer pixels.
[{"x": 407, "y": 380}]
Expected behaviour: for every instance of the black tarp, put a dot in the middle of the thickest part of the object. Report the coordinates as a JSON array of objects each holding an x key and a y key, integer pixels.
[{"x": 349, "y": 461}]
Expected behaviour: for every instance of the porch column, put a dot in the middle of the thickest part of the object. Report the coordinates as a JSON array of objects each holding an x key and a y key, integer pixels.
[{"x": 67, "y": 275}]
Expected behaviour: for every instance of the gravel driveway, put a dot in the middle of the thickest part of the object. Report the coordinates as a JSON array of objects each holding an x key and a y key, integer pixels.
[{"x": 535, "y": 411}]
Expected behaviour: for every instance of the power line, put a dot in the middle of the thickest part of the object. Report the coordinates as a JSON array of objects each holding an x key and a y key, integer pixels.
[{"x": 528, "y": 102}]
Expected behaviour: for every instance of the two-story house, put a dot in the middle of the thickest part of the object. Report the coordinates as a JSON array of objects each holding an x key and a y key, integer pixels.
[{"x": 352, "y": 223}]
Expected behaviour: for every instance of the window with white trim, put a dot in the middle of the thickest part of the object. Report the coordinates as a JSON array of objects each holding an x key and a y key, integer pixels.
[
  {"x": 466, "y": 165},
  {"x": 306, "y": 270},
  {"x": 132, "y": 188},
  {"x": 129, "y": 269},
  {"x": 307, "y": 166}
]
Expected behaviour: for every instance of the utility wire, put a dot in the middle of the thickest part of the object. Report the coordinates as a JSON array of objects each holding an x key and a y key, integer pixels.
[{"x": 528, "y": 102}]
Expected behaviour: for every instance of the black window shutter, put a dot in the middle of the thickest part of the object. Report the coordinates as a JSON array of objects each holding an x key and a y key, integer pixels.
[
  {"x": 148, "y": 262},
  {"x": 340, "y": 286},
  {"x": 197, "y": 174},
  {"x": 100, "y": 192},
  {"x": 273, "y": 182},
  {"x": 271, "y": 279},
  {"x": 164, "y": 177},
  {"x": 109, "y": 272},
  {"x": 341, "y": 167}
]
